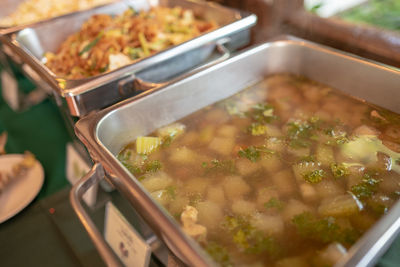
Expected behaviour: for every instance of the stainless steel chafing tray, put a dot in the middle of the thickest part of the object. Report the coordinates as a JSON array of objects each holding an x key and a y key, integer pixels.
[
  {"x": 105, "y": 133},
  {"x": 27, "y": 46},
  {"x": 9, "y": 6}
]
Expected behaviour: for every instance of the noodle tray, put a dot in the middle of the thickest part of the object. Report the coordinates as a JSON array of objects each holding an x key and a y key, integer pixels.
[{"x": 28, "y": 49}]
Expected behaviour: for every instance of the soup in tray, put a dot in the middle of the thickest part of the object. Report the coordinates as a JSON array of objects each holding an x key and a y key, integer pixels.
[{"x": 288, "y": 172}]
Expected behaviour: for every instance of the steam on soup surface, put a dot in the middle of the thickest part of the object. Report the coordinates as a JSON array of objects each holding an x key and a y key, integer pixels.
[{"x": 288, "y": 172}]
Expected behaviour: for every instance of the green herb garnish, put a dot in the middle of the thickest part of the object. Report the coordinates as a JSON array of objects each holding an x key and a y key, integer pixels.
[
  {"x": 366, "y": 188},
  {"x": 262, "y": 243},
  {"x": 309, "y": 158},
  {"x": 299, "y": 129},
  {"x": 124, "y": 158},
  {"x": 274, "y": 203},
  {"x": 103, "y": 69},
  {"x": 308, "y": 226},
  {"x": 135, "y": 170},
  {"x": 299, "y": 134},
  {"x": 338, "y": 138},
  {"x": 152, "y": 166},
  {"x": 253, "y": 153},
  {"x": 140, "y": 168},
  {"x": 257, "y": 129},
  {"x": 134, "y": 52},
  {"x": 90, "y": 45},
  {"x": 262, "y": 113},
  {"x": 219, "y": 166},
  {"x": 314, "y": 177},
  {"x": 339, "y": 170},
  {"x": 324, "y": 230},
  {"x": 248, "y": 239},
  {"x": 231, "y": 223},
  {"x": 219, "y": 254},
  {"x": 169, "y": 133}
]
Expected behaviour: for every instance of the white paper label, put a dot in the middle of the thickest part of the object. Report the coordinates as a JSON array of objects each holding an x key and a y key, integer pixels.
[
  {"x": 10, "y": 90},
  {"x": 124, "y": 240},
  {"x": 76, "y": 168}
]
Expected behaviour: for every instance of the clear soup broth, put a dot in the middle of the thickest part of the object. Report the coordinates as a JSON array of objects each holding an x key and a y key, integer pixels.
[{"x": 288, "y": 172}]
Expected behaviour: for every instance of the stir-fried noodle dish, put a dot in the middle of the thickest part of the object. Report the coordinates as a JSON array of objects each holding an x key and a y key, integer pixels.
[{"x": 106, "y": 43}]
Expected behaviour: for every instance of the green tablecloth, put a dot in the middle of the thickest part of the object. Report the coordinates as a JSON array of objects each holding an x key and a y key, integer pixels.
[
  {"x": 47, "y": 233},
  {"x": 41, "y": 130},
  {"x": 36, "y": 236}
]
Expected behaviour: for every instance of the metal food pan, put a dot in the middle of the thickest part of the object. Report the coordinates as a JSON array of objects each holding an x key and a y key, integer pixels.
[
  {"x": 84, "y": 95},
  {"x": 108, "y": 131},
  {"x": 9, "y": 6}
]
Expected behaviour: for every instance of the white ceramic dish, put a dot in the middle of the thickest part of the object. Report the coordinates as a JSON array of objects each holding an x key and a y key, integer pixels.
[{"x": 20, "y": 192}]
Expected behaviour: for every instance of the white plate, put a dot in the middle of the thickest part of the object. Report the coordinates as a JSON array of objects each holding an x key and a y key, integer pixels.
[{"x": 20, "y": 192}]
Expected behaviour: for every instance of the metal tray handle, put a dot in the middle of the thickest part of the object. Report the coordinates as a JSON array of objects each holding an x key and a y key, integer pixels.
[
  {"x": 225, "y": 54},
  {"x": 143, "y": 85},
  {"x": 77, "y": 191}
]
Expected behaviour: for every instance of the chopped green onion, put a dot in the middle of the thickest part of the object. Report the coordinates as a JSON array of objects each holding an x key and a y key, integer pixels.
[
  {"x": 144, "y": 44},
  {"x": 257, "y": 129},
  {"x": 253, "y": 153},
  {"x": 339, "y": 170},
  {"x": 90, "y": 45},
  {"x": 314, "y": 177},
  {"x": 366, "y": 188}
]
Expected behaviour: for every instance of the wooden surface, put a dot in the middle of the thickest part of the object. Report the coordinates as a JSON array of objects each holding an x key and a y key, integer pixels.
[{"x": 277, "y": 17}]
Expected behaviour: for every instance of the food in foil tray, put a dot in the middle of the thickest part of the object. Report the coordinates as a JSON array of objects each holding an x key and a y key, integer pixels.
[
  {"x": 106, "y": 43},
  {"x": 36, "y": 10},
  {"x": 288, "y": 172}
]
